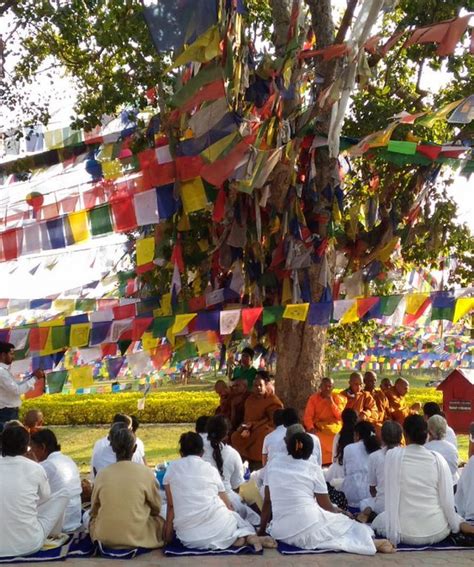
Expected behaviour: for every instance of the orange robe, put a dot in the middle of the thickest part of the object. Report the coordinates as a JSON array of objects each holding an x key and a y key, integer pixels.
[
  {"x": 398, "y": 408},
  {"x": 362, "y": 403},
  {"x": 324, "y": 416},
  {"x": 259, "y": 417},
  {"x": 382, "y": 404}
]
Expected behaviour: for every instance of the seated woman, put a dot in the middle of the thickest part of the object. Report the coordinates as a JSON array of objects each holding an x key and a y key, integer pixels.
[
  {"x": 419, "y": 499},
  {"x": 391, "y": 437},
  {"x": 356, "y": 463},
  {"x": 229, "y": 464},
  {"x": 62, "y": 473},
  {"x": 29, "y": 513},
  {"x": 303, "y": 515},
  {"x": 197, "y": 504},
  {"x": 126, "y": 501},
  {"x": 437, "y": 427},
  {"x": 258, "y": 420},
  {"x": 341, "y": 440}
]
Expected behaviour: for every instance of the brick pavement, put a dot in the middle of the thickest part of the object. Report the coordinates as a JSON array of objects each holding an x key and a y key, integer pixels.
[{"x": 272, "y": 558}]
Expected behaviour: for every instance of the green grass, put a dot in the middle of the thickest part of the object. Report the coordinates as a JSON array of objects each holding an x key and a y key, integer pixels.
[{"x": 161, "y": 442}]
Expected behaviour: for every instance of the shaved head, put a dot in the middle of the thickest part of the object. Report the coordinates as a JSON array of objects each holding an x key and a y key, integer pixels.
[
  {"x": 370, "y": 379},
  {"x": 355, "y": 382},
  {"x": 402, "y": 386}
]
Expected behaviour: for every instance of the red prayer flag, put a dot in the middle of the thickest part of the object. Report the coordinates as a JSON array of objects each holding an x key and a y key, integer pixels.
[
  {"x": 37, "y": 391},
  {"x": 365, "y": 304},
  {"x": 431, "y": 152},
  {"x": 177, "y": 257},
  {"x": 412, "y": 317},
  {"x": 38, "y": 338},
  {"x": 124, "y": 311},
  {"x": 162, "y": 355},
  {"x": 197, "y": 304},
  {"x": 209, "y": 92},
  {"x": 139, "y": 326},
  {"x": 219, "y": 207},
  {"x": 188, "y": 167},
  {"x": 124, "y": 213},
  {"x": 249, "y": 317},
  {"x": 109, "y": 349},
  {"x": 216, "y": 173},
  {"x": 446, "y": 34},
  {"x": 10, "y": 244}
]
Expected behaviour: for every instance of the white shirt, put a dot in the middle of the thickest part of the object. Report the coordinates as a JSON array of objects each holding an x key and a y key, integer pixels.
[
  {"x": 103, "y": 455},
  {"x": 451, "y": 436},
  {"x": 464, "y": 497},
  {"x": 449, "y": 452},
  {"x": 376, "y": 477},
  {"x": 272, "y": 442},
  {"x": 63, "y": 474},
  {"x": 10, "y": 389},
  {"x": 233, "y": 468},
  {"x": 356, "y": 468},
  {"x": 23, "y": 485}
]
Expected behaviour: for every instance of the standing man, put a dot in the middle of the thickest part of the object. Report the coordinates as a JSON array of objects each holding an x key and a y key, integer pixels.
[
  {"x": 10, "y": 389},
  {"x": 398, "y": 407},
  {"x": 359, "y": 400},
  {"x": 322, "y": 417},
  {"x": 245, "y": 371},
  {"x": 380, "y": 399}
]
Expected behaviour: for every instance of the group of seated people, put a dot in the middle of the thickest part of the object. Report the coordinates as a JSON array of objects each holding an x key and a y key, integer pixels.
[{"x": 374, "y": 495}]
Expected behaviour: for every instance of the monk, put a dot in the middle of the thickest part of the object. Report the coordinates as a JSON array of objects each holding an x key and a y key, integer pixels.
[
  {"x": 258, "y": 421},
  {"x": 322, "y": 417},
  {"x": 358, "y": 400},
  {"x": 238, "y": 396},
  {"x": 385, "y": 385},
  {"x": 398, "y": 408},
  {"x": 381, "y": 401},
  {"x": 223, "y": 391}
]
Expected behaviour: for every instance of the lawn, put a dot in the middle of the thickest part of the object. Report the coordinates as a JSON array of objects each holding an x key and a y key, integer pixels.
[{"x": 161, "y": 442}]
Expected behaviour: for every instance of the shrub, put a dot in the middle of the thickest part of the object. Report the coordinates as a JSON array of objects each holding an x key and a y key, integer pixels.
[{"x": 162, "y": 407}]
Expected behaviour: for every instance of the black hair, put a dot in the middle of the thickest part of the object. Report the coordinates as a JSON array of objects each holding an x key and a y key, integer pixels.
[
  {"x": 190, "y": 443},
  {"x": 15, "y": 441},
  {"x": 300, "y": 446},
  {"x": 346, "y": 435},
  {"x": 217, "y": 430},
  {"x": 431, "y": 408},
  {"x": 392, "y": 434},
  {"x": 278, "y": 417},
  {"x": 366, "y": 433},
  {"x": 263, "y": 375},
  {"x": 249, "y": 351},
  {"x": 122, "y": 418},
  {"x": 415, "y": 429},
  {"x": 123, "y": 442},
  {"x": 47, "y": 438},
  {"x": 135, "y": 423},
  {"x": 290, "y": 417},
  {"x": 6, "y": 347},
  {"x": 201, "y": 423}
]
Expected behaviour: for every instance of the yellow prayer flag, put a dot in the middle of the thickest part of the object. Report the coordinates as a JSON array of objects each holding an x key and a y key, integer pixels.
[
  {"x": 145, "y": 250},
  {"x": 79, "y": 226},
  {"x": 430, "y": 119},
  {"x": 386, "y": 251},
  {"x": 213, "y": 152},
  {"x": 286, "y": 294},
  {"x": 112, "y": 169},
  {"x": 350, "y": 316},
  {"x": 463, "y": 306},
  {"x": 48, "y": 345},
  {"x": 149, "y": 342},
  {"x": 54, "y": 323},
  {"x": 414, "y": 301},
  {"x": 79, "y": 335},
  {"x": 81, "y": 377},
  {"x": 206, "y": 342},
  {"x": 165, "y": 308},
  {"x": 296, "y": 311},
  {"x": 64, "y": 305},
  {"x": 182, "y": 321},
  {"x": 205, "y": 48},
  {"x": 193, "y": 195}
]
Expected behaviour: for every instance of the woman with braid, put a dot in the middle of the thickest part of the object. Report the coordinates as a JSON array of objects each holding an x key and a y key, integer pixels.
[{"x": 228, "y": 463}]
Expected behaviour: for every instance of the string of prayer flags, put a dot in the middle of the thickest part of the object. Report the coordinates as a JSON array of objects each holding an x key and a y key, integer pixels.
[{"x": 297, "y": 311}]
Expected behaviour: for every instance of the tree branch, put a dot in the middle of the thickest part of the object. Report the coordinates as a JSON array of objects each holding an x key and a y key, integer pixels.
[{"x": 346, "y": 21}]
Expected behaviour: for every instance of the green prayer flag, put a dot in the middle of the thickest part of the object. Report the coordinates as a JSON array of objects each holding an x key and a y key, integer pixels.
[
  {"x": 205, "y": 76},
  {"x": 161, "y": 325},
  {"x": 442, "y": 313},
  {"x": 272, "y": 314},
  {"x": 188, "y": 350},
  {"x": 55, "y": 381},
  {"x": 86, "y": 305},
  {"x": 60, "y": 337},
  {"x": 402, "y": 147},
  {"x": 101, "y": 222},
  {"x": 388, "y": 304}
]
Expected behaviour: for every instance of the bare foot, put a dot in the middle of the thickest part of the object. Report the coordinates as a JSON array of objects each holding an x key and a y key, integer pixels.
[
  {"x": 268, "y": 542},
  {"x": 363, "y": 517},
  {"x": 239, "y": 542},
  {"x": 384, "y": 546},
  {"x": 255, "y": 542}
]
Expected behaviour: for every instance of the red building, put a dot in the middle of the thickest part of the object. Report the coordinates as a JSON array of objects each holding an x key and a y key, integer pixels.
[{"x": 458, "y": 398}]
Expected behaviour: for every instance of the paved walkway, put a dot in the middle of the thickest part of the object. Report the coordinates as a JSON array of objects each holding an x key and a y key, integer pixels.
[{"x": 272, "y": 558}]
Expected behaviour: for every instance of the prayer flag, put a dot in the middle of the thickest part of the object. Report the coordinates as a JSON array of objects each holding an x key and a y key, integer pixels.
[
  {"x": 272, "y": 314},
  {"x": 124, "y": 311},
  {"x": 207, "y": 321},
  {"x": 161, "y": 356},
  {"x": 139, "y": 326},
  {"x": 249, "y": 317},
  {"x": 161, "y": 325},
  {"x": 206, "y": 342},
  {"x": 59, "y": 337},
  {"x": 145, "y": 248},
  {"x": 37, "y": 391},
  {"x": 193, "y": 195},
  {"x": 463, "y": 306},
  {"x": 206, "y": 118},
  {"x": 18, "y": 337},
  {"x": 79, "y": 336},
  {"x": 100, "y": 220},
  {"x": 38, "y": 338},
  {"x": 167, "y": 204},
  {"x": 205, "y": 48},
  {"x": 365, "y": 304},
  {"x": 181, "y": 322},
  {"x": 186, "y": 351},
  {"x": 114, "y": 365},
  {"x": 416, "y": 305},
  {"x": 56, "y": 233},
  {"x": 320, "y": 313},
  {"x": 430, "y": 119},
  {"x": 124, "y": 213},
  {"x": 464, "y": 113},
  {"x": 55, "y": 381},
  {"x": 296, "y": 311},
  {"x": 79, "y": 226},
  {"x": 100, "y": 332},
  {"x": 149, "y": 342},
  {"x": 81, "y": 377},
  {"x": 443, "y": 306},
  {"x": 446, "y": 34},
  {"x": 146, "y": 208},
  {"x": 229, "y": 321},
  {"x": 402, "y": 147},
  {"x": 10, "y": 244}
]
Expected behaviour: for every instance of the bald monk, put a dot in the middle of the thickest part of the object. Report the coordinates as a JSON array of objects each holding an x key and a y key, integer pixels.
[
  {"x": 385, "y": 385},
  {"x": 322, "y": 417},
  {"x": 398, "y": 408},
  {"x": 381, "y": 401},
  {"x": 358, "y": 400}
]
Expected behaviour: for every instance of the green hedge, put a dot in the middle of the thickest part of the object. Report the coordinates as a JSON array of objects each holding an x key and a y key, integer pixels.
[{"x": 160, "y": 407}]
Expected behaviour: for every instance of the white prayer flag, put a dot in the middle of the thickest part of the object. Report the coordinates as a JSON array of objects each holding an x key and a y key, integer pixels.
[
  {"x": 229, "y": 321},
  {"x": 146, "y": 208}
]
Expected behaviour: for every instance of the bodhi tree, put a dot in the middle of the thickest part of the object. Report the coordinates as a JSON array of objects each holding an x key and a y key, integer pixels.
[{"x": 299, "y": 200}]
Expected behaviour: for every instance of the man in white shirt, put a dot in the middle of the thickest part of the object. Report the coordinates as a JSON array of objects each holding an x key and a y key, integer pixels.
[
  {"x": 273, "y": 440},
  {"x": 103, "y": 454},
  {"x": 10, "y": 389}
]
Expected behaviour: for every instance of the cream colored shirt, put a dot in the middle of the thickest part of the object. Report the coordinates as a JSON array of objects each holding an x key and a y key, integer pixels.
[{"x": 10, "y": 389}]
